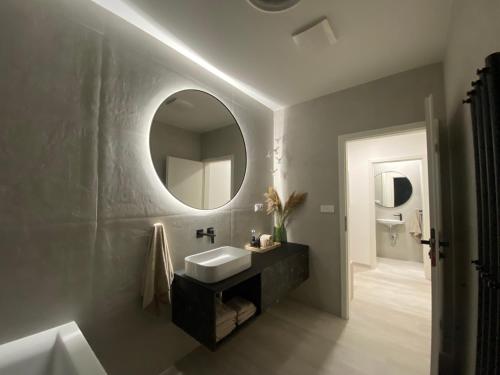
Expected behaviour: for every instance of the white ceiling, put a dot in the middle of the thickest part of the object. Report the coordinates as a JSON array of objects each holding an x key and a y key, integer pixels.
[
  {"x": 195, "y": 111},
  {"x": 376, "y": 38}
]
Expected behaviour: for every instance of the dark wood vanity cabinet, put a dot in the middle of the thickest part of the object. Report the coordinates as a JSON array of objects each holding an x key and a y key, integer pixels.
[
  {"x": 281, "y": 277},
  {"x": 271, "y": 276}
]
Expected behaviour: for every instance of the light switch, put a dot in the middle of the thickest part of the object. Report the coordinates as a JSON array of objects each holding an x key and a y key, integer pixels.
[
  {"x": 327, "y": 209},
  {"x": 257, "y": 207}
]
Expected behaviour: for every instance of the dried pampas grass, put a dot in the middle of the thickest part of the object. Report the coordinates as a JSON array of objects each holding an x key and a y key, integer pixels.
[{"x": 274, "y": 204}]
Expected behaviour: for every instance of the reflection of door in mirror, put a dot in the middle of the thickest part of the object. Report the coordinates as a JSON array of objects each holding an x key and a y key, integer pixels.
[
  {"x": 185, "y": 179},
  {"x": 217, "y": 184},
  {"x": 201, "y": 184}
]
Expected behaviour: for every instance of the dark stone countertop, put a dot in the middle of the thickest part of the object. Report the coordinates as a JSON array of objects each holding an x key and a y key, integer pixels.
[{"x": 260, "y": 261}]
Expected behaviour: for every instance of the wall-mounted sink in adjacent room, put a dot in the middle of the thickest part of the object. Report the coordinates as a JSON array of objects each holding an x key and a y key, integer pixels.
[
  {"x": 390, "y": 222},
  {"x": 218, "y": 264}
]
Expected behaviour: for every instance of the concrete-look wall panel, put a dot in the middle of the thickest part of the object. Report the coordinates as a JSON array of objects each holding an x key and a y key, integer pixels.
[
  {"x": 118, "y": 270},
  {"x": 49, "y": 113},
  {"x": 129, "y": 185},
  {"x": 121, "y": 250},
  {"x": 45, "y": 272}
]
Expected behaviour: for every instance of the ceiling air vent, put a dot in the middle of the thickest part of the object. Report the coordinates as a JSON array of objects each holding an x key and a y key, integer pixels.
[
  {"x": 316, "y": 36},
  {"x": 273, "y": 5}
]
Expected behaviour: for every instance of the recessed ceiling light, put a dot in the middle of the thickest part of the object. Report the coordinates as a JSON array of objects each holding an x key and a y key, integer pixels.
[{"x": 273, "y": 5}]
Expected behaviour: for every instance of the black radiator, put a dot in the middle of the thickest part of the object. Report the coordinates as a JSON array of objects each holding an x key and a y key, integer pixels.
[{"x": 484, "y": 99}]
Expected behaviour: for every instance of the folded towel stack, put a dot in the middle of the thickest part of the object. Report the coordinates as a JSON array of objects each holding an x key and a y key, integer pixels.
[
  {"x": 234, "y": 312},
  {"x": 225, "y": 321},
  {"x": 243, "y": 308}
]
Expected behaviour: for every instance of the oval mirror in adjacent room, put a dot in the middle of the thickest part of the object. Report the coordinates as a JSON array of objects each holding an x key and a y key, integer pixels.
[
  {"x": 198, "y": 150},
  {"x": 392, "y": 189}
]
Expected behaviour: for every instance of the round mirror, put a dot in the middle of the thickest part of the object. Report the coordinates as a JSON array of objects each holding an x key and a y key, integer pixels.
[
  {"x": 198, "y": 150},
  {"x": 392, "y": 189}
]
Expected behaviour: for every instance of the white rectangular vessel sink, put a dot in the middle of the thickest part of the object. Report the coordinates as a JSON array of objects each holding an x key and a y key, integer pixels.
[
  {"x": 217, "y": 264},
  {"x": 390, "y": 222}
]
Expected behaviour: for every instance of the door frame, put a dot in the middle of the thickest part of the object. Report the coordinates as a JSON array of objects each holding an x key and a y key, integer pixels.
[{"x": 345, "y": 284}]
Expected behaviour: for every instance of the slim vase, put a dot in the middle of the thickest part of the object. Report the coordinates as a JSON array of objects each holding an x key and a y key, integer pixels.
[{"x": 279, "y": 234}]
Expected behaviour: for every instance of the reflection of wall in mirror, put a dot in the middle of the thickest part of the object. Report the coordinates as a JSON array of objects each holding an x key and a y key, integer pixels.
[
  {"x": 185, "y": 180},
  {"x": 226, "y": 141},
  {"x": 201, "y": 184},
  {"x": 167, "y": 140}
]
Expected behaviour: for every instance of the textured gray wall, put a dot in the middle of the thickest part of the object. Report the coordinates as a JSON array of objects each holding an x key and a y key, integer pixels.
[
  {"x": 310, "y": 164},
  {"x": 226, "y": 141},
  {"x": 167, "y": 140},
  {"x": 474, "y": 32},
  {"x": 79, "y": 194}
]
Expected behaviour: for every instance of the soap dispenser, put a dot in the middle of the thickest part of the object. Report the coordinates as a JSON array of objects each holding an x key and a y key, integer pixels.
[{"x": 254, "y": 239}]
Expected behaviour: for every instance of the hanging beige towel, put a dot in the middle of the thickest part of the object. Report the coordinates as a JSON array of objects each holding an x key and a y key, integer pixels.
[
  {"x": 159, "y": 272},
  {"x": 415, "y": 225}
]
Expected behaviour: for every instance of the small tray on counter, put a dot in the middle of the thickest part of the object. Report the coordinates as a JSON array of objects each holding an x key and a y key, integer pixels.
[{"x": 262, "y": 249}]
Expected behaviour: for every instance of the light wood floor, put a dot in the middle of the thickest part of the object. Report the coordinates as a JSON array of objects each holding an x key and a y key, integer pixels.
[{"x": 388, "y": 333}]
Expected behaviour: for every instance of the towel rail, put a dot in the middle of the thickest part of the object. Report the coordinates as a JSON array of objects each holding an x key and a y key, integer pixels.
[{"x": 484, "y": 101}]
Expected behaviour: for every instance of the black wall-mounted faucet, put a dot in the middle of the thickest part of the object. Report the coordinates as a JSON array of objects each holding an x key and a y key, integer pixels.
[
  {"x": 210, "y": 233},
  {"x": 400, "y": 215}
]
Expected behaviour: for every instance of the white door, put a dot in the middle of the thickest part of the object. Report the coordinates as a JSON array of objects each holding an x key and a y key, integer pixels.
[
  {"x": 436, "y": 230},
  {"x": 218, "y": 183},
  {"x": 185, "y": 180}
]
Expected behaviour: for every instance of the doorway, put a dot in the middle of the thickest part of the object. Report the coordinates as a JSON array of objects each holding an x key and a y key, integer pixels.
[{"x": 384, "y": 201}]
